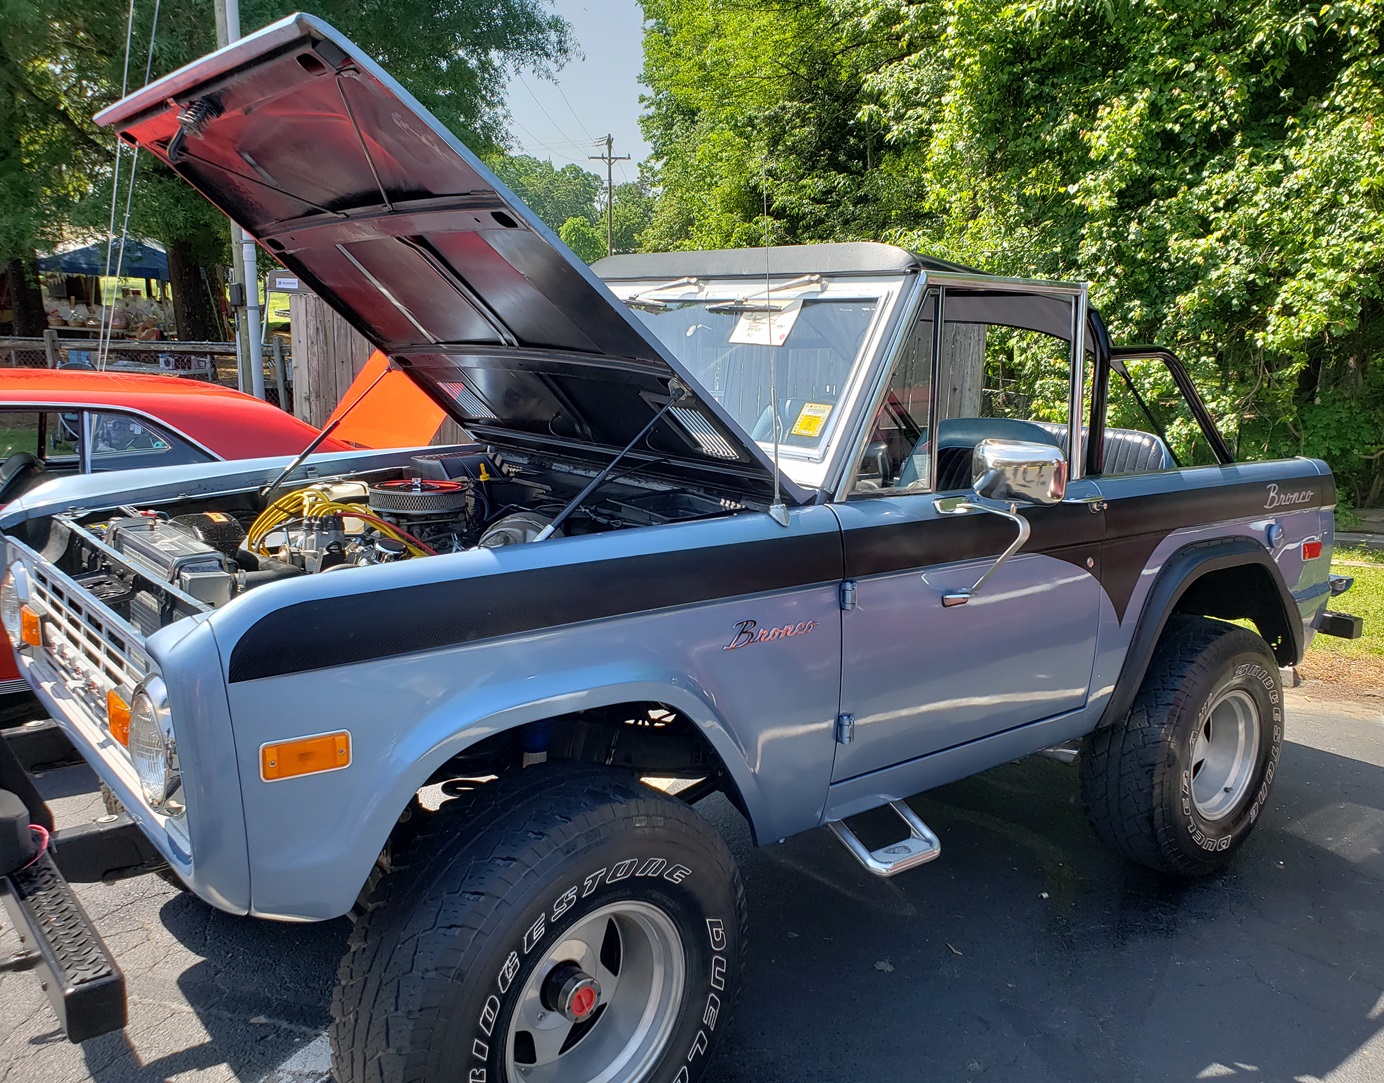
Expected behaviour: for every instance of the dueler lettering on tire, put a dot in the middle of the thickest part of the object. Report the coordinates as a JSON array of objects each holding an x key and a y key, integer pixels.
[
  {"x": 573, "y": 924},
  {"x": 1181, "y": 781}
]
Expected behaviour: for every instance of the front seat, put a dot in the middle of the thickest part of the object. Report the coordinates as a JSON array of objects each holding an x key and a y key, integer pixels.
[{"x": 18, "y": 474}]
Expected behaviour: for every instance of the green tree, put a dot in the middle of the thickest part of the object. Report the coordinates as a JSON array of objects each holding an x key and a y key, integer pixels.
[
  {"x": 1214, "y": 170},
  {"x": 760, "y": 99},
  {"x": 583, "y": 238},
  {"x": 632, "y": 213},
  {"x": 60, "y": 64},
  {"x": 555, "y": 195}
]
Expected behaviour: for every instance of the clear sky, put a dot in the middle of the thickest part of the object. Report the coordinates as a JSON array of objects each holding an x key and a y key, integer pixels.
[{"x": 594, "y": 94}]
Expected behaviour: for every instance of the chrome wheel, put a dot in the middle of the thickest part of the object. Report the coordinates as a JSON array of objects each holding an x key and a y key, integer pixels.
[
  {"x": 1225, "y": 749},
  {"x": 601, "y": 1004}
]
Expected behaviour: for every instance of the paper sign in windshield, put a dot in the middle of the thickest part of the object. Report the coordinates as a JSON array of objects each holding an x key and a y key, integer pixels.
[
  {"x": 811, "y": 418},
  {"x": 766, "y": 328}
]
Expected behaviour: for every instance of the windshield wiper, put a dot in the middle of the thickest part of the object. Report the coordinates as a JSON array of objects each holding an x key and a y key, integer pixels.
[
  {"x": 744, "y": 304},
  {"x": 638, "y": 300}
]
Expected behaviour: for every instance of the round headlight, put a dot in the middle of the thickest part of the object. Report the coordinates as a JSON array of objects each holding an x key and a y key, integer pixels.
[
  {"x": 151, "y": 744},
  {"x": 10, "y": 601}
]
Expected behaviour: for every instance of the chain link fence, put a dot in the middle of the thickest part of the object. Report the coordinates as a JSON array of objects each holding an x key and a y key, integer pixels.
[{"x": 212, "y": 362}]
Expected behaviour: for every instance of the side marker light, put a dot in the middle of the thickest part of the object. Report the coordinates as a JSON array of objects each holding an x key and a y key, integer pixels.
[
  {"x": 305, "y": 756},
  {"x": 30, "y": 627},
  {"x": 1311, "y": 550},
  {"x": 118, "y": 717}
]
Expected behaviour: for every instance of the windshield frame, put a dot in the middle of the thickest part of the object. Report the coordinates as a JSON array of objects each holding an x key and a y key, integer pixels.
[{"x": 811, "y": 467}]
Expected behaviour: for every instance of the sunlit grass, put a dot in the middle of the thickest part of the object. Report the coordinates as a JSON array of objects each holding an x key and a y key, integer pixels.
[{"x": 1365, "y": 599}]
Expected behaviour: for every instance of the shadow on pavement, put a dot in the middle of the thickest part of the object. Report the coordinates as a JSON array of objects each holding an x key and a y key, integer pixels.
[
  {"x": 261, "y": 991},
  {"x": 1030, "y": 952}
]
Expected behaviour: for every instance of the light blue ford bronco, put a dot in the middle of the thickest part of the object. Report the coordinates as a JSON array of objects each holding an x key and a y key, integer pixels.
[{"x": 817, "y": 528}]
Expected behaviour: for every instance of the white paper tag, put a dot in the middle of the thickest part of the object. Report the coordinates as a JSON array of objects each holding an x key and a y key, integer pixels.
[{"x": 766, "y": 328}]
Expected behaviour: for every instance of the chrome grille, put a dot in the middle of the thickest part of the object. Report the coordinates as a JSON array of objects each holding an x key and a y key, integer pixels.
[{"x": 93, "y": 648}]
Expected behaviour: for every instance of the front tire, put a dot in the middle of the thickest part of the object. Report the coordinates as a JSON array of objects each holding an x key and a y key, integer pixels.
[
  {"x": 564, "y": 924},
  {"x": 1180, "y": 782}
]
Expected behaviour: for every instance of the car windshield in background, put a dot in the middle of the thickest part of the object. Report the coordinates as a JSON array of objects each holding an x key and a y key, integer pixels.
[{"x": 724, "y": 344}]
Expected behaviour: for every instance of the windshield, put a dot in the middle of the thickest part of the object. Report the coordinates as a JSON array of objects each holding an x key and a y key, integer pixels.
[{"x": 816, "y": 344}]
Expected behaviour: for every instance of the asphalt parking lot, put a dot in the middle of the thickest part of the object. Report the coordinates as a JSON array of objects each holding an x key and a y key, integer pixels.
[{"x": 1027, "y": 953}]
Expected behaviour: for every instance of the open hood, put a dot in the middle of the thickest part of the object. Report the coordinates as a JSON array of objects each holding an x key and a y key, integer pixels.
[{"x": 339, "y": 173}]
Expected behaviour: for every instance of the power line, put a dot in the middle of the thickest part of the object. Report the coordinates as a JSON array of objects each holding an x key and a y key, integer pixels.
[
  {"x": 590, "y": 138},
  {"x": 556, "y": 126}
]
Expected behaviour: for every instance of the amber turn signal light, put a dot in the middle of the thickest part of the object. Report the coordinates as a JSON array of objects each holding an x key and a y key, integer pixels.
[
  {"x": 118, "y": 717},
  {"x": 305, "y": 756},
  {"x": 30, "y": 627}
]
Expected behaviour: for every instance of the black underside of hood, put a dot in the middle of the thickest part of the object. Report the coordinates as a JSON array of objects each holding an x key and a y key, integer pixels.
[{"x": 338, "y": 172}]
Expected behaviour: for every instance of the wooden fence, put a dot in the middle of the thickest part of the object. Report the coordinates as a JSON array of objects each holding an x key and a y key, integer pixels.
[{"x": 328, "y": 353}]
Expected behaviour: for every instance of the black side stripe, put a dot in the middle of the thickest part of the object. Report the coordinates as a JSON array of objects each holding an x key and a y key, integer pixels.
[{"x": 338, "y": 631}]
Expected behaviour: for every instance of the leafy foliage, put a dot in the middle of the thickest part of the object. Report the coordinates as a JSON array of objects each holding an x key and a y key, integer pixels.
[
  {"x": 61, "y": 63},
  {"x": 572, "y": 202},
  {"x": 1214, "y": 170},
  {"x": 583, "y": 238}
]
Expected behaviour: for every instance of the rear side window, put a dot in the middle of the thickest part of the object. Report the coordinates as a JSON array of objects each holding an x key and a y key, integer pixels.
[
  {"x": 19, "y": 433},
  {"x": 49, "y": 436},
  {"x": 125, "y": 442}
]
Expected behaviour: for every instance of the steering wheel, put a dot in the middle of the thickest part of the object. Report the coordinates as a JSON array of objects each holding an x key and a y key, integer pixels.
[{"x": 17, "y": 473}]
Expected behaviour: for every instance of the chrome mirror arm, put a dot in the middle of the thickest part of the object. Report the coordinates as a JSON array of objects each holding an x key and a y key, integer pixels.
[{"x": 962, "y": 505}]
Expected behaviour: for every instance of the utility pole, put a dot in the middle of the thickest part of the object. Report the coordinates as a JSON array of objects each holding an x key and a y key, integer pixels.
[
  {"x": 244, "y": 269},
  {"x": 610, "y": 159}
]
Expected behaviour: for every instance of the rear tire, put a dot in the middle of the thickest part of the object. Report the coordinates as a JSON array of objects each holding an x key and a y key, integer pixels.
[
  {"x": 563, "y": 923},
  {"x": 1179, "y": 783}
]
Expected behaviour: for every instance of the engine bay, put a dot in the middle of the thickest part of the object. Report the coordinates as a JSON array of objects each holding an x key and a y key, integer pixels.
[{"x": 153, "y": 565}]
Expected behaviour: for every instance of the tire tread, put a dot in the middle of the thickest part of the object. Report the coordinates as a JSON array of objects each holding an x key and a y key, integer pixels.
[
  {"x": 1126, "y": 778},
  {"x": 467, "y": 853}
]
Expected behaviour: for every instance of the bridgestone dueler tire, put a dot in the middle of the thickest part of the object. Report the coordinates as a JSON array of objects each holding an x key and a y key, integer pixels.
[
  {"x": 451, "y": 936},
  {"x": 1137, "y": 775}
]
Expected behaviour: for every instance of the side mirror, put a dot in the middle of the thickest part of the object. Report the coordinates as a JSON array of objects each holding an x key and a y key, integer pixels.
[
  {"x": 1019, "y": 472},
  {"x": 1005, "y": 474}
]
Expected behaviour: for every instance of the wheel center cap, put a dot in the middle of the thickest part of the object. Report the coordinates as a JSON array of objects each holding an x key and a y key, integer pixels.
[
  {"x": 572, "y": 992},
  {"x": 582, "y": 1003}
]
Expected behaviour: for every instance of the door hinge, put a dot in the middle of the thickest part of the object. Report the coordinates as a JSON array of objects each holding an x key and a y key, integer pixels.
[
  {"x": 845, "y": 729},
  {"x": 848, "y": 594}
]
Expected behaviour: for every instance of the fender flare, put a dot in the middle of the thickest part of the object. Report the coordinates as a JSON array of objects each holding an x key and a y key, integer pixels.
[
  {"x": 681, "y": 695},
  {"x": 1179, "y": 573}
]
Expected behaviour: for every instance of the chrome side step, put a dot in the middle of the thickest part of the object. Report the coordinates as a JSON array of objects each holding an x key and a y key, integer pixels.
[{"x": 919, "y": 848}]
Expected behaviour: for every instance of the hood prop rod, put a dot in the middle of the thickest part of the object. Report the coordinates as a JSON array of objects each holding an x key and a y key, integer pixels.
[
  {"x": 676, "y": 395},
  {"x": 316, "y": 441}
]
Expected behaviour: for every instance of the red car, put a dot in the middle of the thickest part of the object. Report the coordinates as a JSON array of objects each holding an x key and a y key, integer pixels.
[{"x": 142, "y": 421}]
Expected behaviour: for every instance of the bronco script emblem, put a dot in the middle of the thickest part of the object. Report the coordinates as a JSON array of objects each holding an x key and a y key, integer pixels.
[
  {"x": 1277, "y": 499},
  {"x": 748, "y": 631}
]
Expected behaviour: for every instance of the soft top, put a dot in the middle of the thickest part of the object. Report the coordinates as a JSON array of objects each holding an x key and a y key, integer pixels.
[{"x": 850, "y": 258}]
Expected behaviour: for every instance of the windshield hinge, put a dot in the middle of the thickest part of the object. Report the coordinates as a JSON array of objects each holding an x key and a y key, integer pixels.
[
  {"x": 845, "y": 729},
  {"x": 848, "y": 594}
]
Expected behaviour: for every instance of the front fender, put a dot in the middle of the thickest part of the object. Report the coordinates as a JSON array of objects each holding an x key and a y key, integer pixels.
[{"x": 315, "y": 839}]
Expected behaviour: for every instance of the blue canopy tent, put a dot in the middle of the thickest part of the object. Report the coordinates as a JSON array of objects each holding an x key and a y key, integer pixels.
[{"x": 141, "y": 259}]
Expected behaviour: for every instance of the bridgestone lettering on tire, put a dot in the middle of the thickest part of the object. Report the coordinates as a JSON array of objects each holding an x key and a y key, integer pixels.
[
  {"x": 566, "y": 923},
  {"x": 1179, "y": 784}
]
